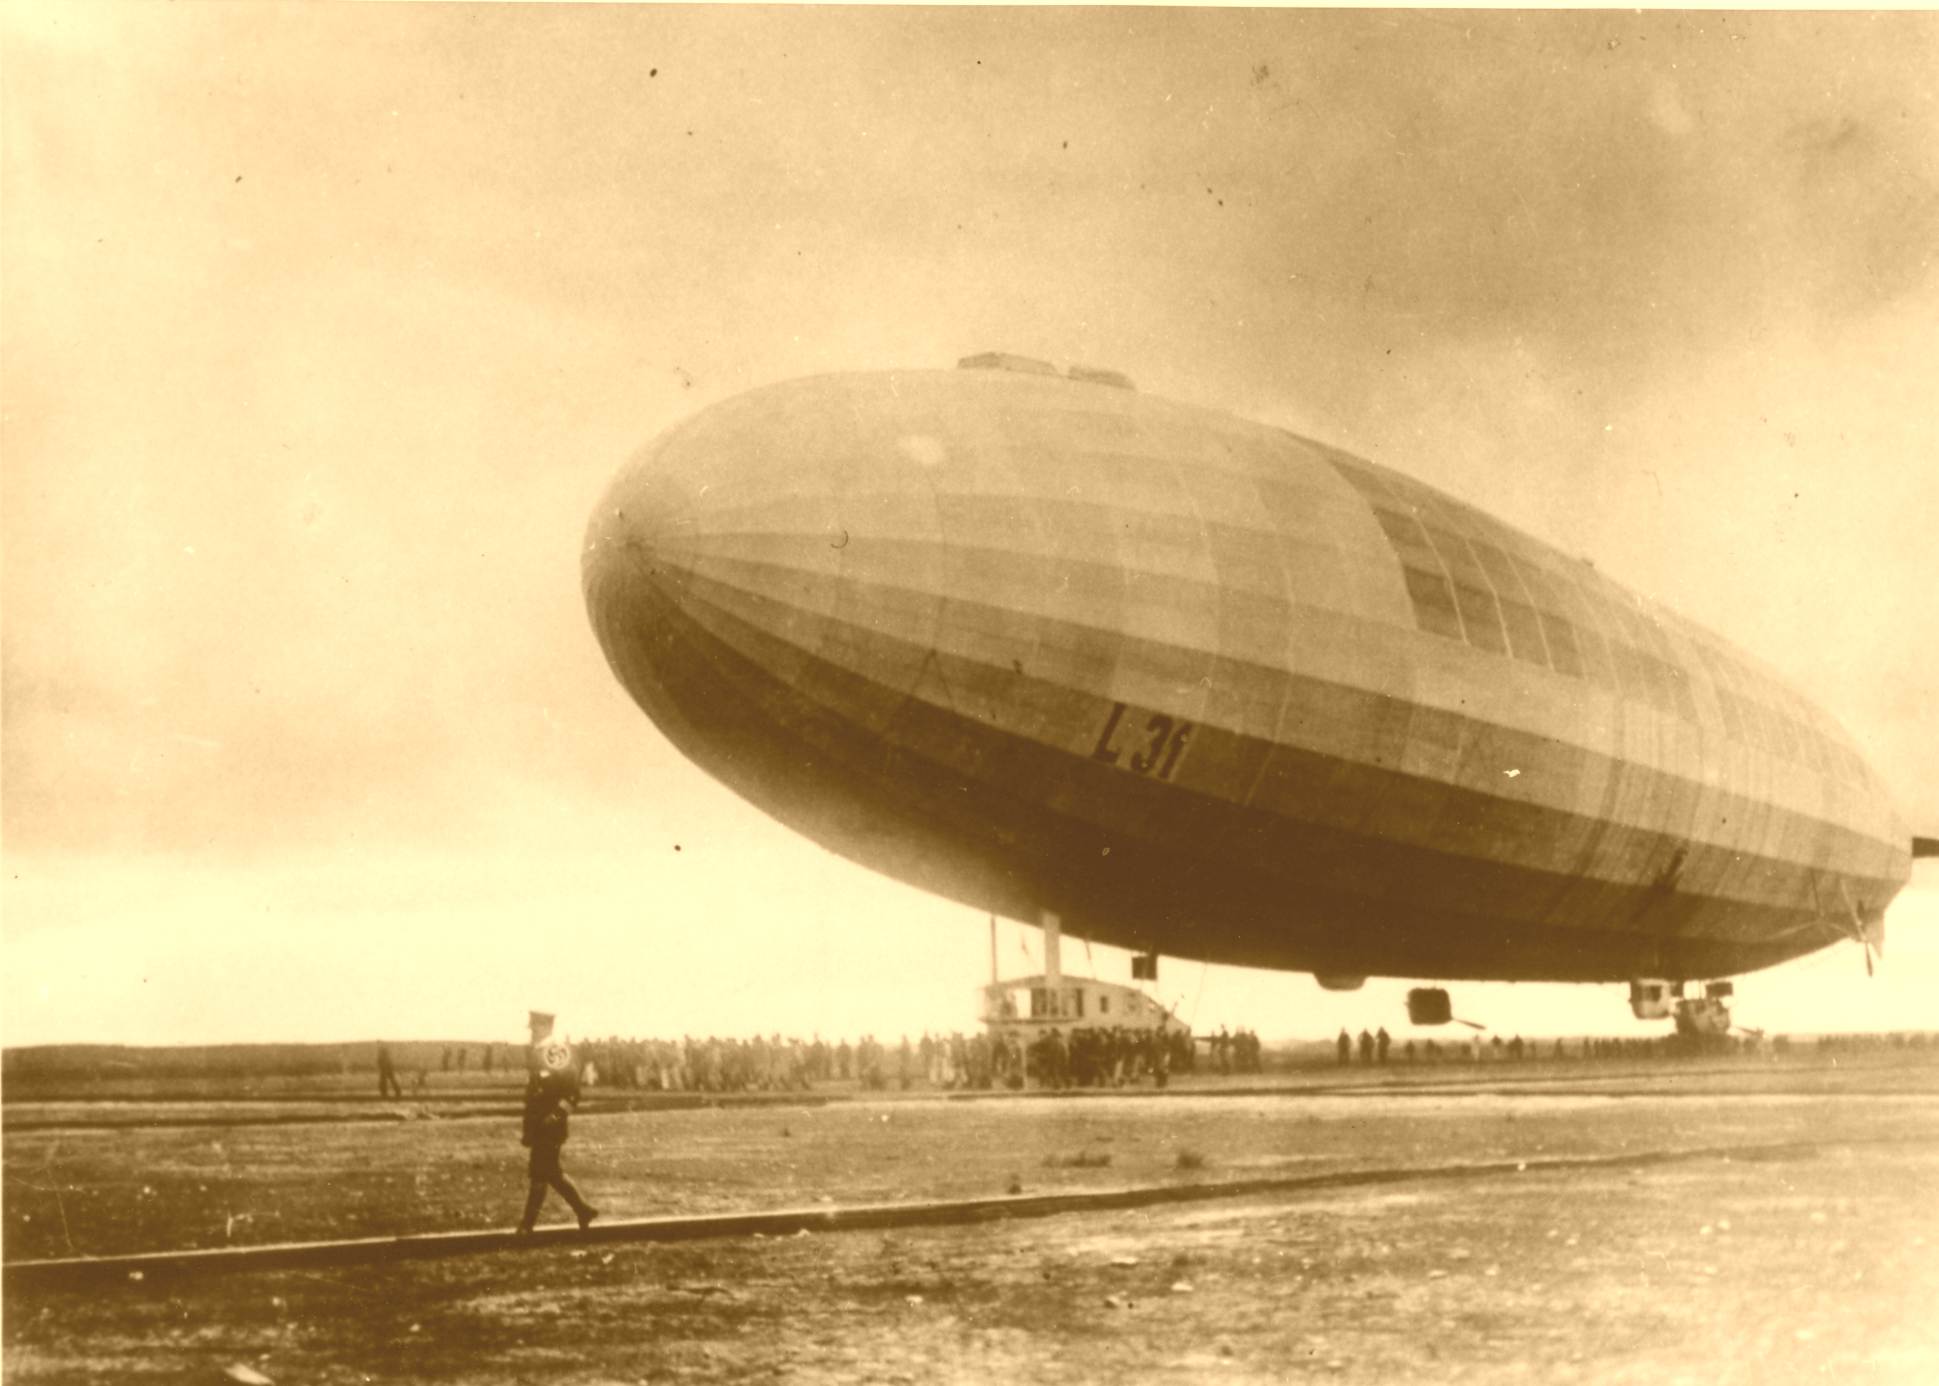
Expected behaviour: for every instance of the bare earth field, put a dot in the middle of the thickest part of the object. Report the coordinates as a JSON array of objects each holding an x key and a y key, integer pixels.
[{"x": 1798, "y": 1241}]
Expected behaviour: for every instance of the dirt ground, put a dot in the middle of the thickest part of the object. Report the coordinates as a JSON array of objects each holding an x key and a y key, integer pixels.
[{"x": 1817, "y": 1260}]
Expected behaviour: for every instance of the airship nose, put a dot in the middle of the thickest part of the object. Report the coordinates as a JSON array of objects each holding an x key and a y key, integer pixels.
[
  {"x": 631, "y": 573},
  {"x": 640, "y": 523},
  {"x": 706, "y": 561}
]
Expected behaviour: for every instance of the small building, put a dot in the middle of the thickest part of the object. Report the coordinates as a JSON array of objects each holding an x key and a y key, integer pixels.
[{"x": 1027, "y": 1006}]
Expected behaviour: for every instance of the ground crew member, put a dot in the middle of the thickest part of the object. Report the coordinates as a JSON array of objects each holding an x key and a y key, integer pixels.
[
  {"x": 1057, "y": 1060},
  {"x": 1346, "y": 1048},
  {"x": 387, "y": 1084},
  {"x": 550, "y": 1085}
]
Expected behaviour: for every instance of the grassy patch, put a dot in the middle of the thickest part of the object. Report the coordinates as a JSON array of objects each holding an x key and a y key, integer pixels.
[{"x": 1083, "y": 1159}]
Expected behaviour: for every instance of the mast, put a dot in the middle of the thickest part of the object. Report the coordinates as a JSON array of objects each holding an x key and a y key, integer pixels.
[{"x": 1053, "y": 958}]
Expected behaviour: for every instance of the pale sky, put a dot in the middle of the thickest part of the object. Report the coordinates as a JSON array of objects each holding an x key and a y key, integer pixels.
[{"x": 324, "y": 326}]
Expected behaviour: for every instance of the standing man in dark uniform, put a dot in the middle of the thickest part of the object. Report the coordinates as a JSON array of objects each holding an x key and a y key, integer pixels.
[
  {"x": 387, "y": 1084},
  {"x": 1158, "y": 1057},
  {"x": 550, "y": 1084}
]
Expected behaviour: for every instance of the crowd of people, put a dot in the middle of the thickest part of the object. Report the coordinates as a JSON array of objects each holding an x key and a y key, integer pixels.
[
  {"x": 1081, "y": 1057},
  {"x": 1378, "y": 1048},
  {"x": 1106, "y": 1058},
  {"x": 984, "y": 1060},
  {"x": 1238, "y": 1051}
]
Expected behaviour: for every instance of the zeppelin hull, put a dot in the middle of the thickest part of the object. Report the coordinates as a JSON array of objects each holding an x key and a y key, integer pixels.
[{"x": 1031, "y": 644}]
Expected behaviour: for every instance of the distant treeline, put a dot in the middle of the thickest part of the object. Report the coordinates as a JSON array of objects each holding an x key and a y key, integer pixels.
[{"x": 265, "y": 1060}]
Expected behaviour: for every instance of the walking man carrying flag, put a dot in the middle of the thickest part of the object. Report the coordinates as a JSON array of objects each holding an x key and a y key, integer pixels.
[{"x": 550, "y": 1084}]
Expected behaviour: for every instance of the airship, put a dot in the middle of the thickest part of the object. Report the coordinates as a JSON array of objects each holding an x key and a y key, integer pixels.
[{"x": 1037, "y": 642}]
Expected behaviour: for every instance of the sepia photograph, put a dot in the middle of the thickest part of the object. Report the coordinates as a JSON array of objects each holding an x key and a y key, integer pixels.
[{"x": 903, "y": 694}]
